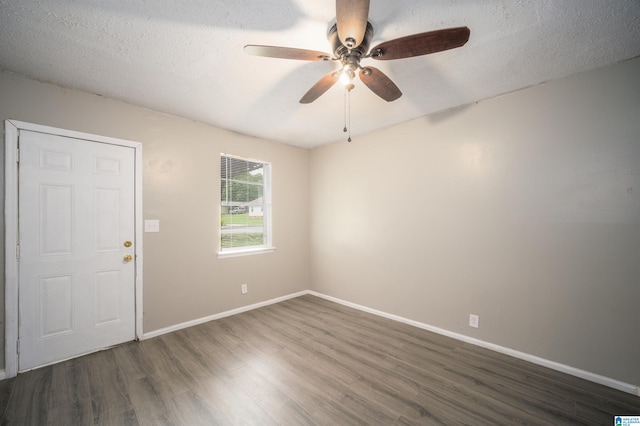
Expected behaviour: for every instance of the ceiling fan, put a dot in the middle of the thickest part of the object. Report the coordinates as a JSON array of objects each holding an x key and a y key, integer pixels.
[{"x": 350, "y": 37}]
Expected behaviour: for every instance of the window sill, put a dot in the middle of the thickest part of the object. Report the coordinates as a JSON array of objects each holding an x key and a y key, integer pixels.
[{"x": 245, "y": 252}]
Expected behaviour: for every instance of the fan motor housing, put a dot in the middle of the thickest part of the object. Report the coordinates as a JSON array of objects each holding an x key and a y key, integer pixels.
[{"x": 340, "y": 50}]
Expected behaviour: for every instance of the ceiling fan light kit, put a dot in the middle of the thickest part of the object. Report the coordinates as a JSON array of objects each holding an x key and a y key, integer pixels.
[{"x": 350, "y": 37}]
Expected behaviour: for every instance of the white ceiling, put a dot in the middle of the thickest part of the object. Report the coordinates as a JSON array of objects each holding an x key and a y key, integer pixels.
[{"x": 186, "y": 57}]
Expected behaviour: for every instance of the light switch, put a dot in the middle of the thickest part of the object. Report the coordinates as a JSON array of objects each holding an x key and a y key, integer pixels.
[{"x": 152, "y": 225}]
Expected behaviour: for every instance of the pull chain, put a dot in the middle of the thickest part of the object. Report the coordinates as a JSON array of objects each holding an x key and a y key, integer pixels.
[{"x": 347, "y": 112}]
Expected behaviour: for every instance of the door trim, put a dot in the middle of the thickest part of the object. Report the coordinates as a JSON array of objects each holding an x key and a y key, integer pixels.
[{"x": 12, "y": 130}]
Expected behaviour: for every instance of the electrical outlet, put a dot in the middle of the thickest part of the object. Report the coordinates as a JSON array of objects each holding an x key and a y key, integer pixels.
[
  {"x": 243, "y": 289},
  {"x": 474, "y": 321}
]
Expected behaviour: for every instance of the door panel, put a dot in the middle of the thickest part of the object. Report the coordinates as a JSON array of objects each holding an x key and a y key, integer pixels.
[
  {"x": 107, "y": 219},
  {"x": 56, "y": 219},
  {"x": 56, "y": 306},
  {"x": 76, "y": 210},
  {"x": 107, "y": 297}
]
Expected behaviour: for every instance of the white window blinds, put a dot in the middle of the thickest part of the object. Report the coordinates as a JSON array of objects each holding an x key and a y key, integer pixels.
[{"x": 245, "y": 204}]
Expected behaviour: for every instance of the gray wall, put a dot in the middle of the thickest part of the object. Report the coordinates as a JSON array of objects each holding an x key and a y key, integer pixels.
[
  {"x": 183, "y": 278},
  {"x": 524, "y": 210}
]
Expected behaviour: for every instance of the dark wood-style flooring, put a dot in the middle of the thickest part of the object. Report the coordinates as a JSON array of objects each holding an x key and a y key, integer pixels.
[{"x": 301, "y": 362}]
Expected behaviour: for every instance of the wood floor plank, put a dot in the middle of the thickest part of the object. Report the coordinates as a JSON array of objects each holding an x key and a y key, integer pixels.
[
  {"x": 540, "y": 380},
  {"x": 212, "y": 349},
  {"x": 191, "y": 359},
  {"x": 409, "y": 405},
  {"x": 132, "y": 360},
  {"x": 382, "y": 376},
  {"x": 292, "y": 380},
  {"x": 251, "y": 332},
  {"x": 6, "y": 386},
  {"x": 382, "y": 325},
  {"x": 29, "y": 400},
  {"x": 166, "y": 366},
  {"x": 69, "y": 383},
  {"x": 354, "y": 407},
  {"x": 152, "y": 400},
  {"x": 272, "y": 399},
  {"x": 236, "y": 405},
  {"x": 192, "y": 409},
  {"x": 125, "y": 418},
  {"x": 79, "y": 410},
  {"x": 109, "y": 395},
  {"x": 305, "y": 361},
  {"x": 526, "y": 398}
]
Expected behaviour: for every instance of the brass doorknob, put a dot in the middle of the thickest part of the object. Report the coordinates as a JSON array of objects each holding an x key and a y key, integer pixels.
[
  {"x": 127, "y": 243},
  {"x": 128, "y": 258}
]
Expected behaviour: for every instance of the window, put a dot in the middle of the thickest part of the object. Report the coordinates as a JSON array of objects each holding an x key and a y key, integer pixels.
[{"x": 245, "y": 206}]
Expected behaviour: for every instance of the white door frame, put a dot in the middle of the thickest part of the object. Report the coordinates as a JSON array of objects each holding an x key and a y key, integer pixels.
[{"x": 12, "y": 129}]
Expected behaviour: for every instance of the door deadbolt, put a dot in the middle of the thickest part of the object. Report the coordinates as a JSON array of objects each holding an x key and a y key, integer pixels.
[{"x": 127, "y": 243}]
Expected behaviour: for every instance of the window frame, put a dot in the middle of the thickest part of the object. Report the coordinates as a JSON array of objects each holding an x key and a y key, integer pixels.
[{"x": 267, "y": 246}]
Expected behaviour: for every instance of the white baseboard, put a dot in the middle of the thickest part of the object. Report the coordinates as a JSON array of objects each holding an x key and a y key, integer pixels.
[
  {"x": 202, "y": 320},
  {"x": 587, "y": 375},
  {"x": 2, "y": 374}
]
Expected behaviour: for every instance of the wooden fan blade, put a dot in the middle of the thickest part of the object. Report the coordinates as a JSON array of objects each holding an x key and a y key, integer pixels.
[
  {"x": 286, "y": 53},
  {"x": 380, "y": 84},
  {"x": 421, "y": 44},
  {"x": 320, "y": 87},
  {"x": 351, "y": 20}
]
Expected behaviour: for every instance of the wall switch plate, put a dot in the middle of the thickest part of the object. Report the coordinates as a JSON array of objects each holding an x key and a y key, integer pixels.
[
  {"x": 474, "y": 321},
  {"x": 243, "y": 289},
  {"x": 152, "y": 225}
]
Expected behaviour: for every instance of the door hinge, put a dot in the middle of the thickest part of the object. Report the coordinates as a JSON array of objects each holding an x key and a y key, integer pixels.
[
  {"x": 18, "y": 252},
  {"x": 18, "y": 346},
  {"x": 17, "y": 155}
]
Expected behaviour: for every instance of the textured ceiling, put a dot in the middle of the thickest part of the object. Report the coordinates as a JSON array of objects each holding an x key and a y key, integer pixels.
[{"x": 186, "y": 57}]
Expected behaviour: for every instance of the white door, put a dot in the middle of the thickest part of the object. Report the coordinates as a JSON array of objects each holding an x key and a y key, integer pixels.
[{"x": 76, "y": 220}]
